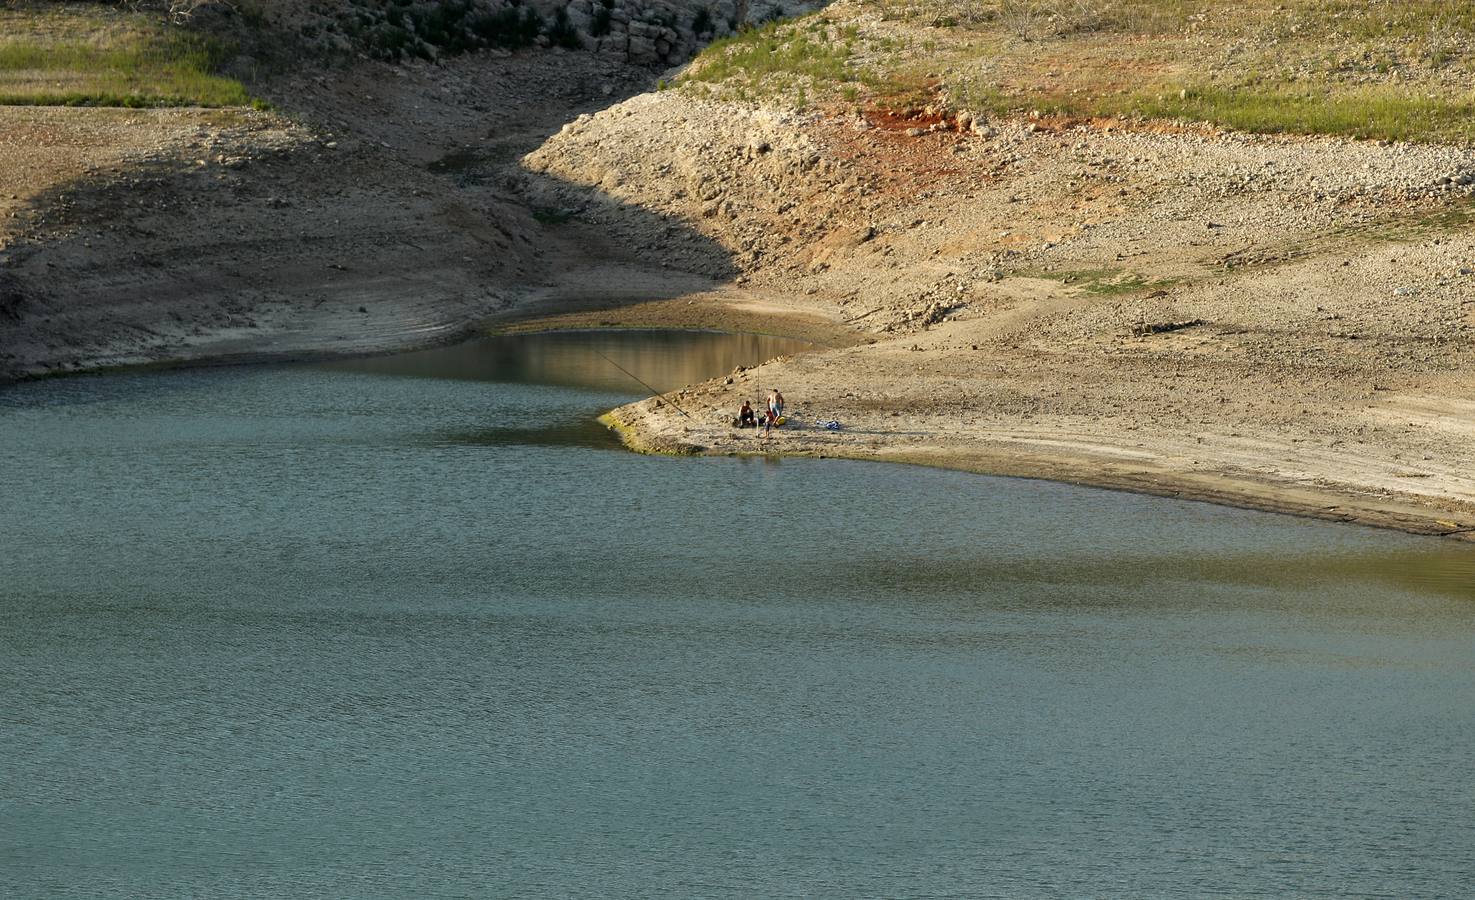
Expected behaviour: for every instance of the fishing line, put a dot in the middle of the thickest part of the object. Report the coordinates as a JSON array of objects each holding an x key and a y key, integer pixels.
[{"x": 657, "y": 394}]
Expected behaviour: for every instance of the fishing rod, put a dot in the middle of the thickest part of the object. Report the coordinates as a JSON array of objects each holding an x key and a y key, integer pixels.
[{"x": 653, "y": 391}]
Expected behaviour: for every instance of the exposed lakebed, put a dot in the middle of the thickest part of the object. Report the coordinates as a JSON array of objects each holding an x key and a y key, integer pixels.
[{"x": 416, "y": 627}]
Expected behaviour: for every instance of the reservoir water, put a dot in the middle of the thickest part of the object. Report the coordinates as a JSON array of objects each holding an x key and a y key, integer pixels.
[{"x": 415, "y": 627}]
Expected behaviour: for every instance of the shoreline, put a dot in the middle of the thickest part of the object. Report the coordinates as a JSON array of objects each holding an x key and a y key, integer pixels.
[
  {"x": 648, "y": 426},
  {"x": 1220, "y": 490},
  {"x": 641, "y": 428},
  {"x": 717, "y": 310}
]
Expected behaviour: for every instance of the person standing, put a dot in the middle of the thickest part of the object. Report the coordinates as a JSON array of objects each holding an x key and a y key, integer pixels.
[{"x": 775, "y": 409}]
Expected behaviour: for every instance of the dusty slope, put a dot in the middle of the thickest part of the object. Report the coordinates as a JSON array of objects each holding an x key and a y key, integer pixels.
[{"x": 1278, "y": 322}]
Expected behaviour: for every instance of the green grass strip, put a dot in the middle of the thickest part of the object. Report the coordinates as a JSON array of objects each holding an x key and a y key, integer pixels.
[{"x": 139, "y": 71}]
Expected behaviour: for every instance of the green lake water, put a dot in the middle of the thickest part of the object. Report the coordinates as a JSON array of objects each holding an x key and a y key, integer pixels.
[{"x": 415, "y": 627}]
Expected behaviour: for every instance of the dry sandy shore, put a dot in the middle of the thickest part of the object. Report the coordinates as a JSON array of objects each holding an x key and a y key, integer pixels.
[{"x": 1275, "y": 323}]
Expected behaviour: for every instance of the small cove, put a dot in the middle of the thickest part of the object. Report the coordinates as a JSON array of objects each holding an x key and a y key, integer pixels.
[{"x": 415, "y": 626}]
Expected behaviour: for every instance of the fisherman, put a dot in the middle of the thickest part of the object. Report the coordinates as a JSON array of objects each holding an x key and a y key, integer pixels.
[
  {"x": 746, "y": 418},
  {"x": 775, "y": 409}
]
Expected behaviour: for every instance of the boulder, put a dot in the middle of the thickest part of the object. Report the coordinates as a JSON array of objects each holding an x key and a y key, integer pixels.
[{"x": 642, "y": 51}]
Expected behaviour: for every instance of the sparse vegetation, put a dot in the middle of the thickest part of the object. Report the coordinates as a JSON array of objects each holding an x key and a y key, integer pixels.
[
  {"x": 701, "y": 22},
  {"x": 599, "y": 26},
  {"x": 1104, "y": 282},
  {"x": 562, "y": 32},
  {"x": 1388, "y": 69},
  {"x": 1376, "y": 111},
  {"x": 545, "y": 215},
  {"x": 395, "y": 33},
  {"x": 785, "y": 58}
]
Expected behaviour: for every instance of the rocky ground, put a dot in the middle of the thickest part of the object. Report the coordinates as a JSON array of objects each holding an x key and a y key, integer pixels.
[{"x": 1274, "y": 322}]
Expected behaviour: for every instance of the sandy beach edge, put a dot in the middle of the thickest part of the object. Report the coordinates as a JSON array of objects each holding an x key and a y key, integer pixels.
[{"x": 634, "y": 428}]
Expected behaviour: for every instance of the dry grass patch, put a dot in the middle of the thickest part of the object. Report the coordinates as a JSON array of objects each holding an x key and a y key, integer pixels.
[
  {"x": 94, "y": 55},
  {"x": 1387, "y": 69}
]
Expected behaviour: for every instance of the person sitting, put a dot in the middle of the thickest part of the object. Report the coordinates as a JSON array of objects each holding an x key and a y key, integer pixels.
[{"x": 745, "y": 418}]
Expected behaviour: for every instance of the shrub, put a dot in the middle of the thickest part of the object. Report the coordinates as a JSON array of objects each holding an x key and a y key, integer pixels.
[
  {"x": 508, "y": 27},
  {"x": 562, "y": 32},
  {"x": 599, "y": 26},
  {"x": 773, "y": 56}
]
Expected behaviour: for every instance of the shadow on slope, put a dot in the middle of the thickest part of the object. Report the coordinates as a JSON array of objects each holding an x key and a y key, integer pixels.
[{"x": 396, "y": 219}]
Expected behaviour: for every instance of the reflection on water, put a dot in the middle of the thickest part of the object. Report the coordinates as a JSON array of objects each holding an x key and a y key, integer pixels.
[
  {"x": 1449, "y": 570},
  {"x": 1445, "y": 568},
  {"x": 622, "y": 365},
  {"x": 663, "y": 360},
  {"x": 332, "y": 631},
  {"x": 585, "y": 431}
]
